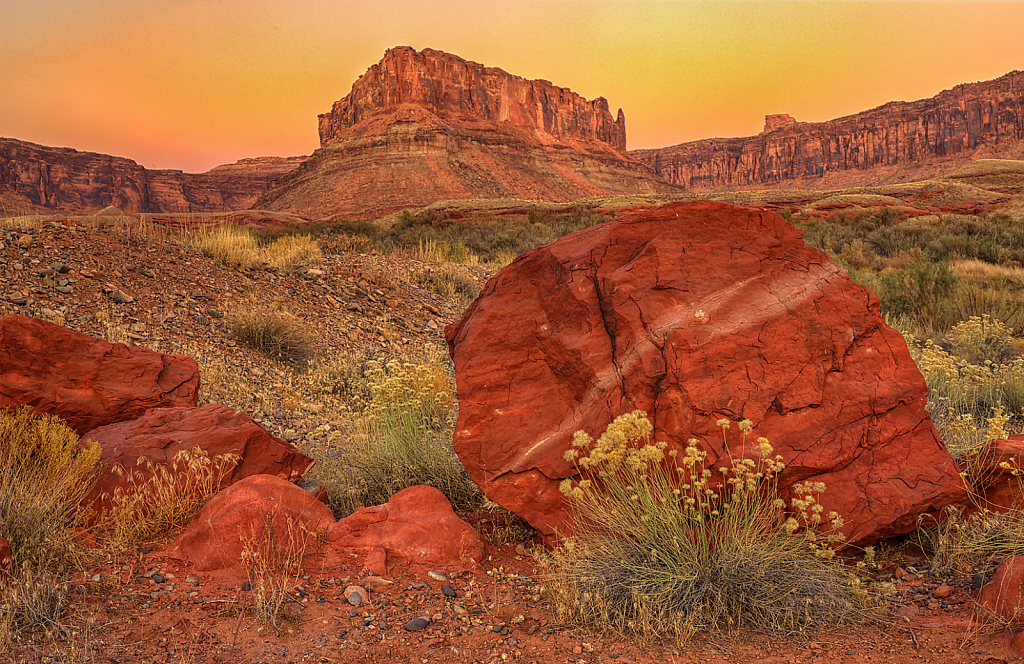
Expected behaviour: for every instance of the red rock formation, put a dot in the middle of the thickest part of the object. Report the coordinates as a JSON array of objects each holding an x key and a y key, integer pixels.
[
  {"x": 85, "y": 381},
  {"x": 1001, "y": 600},
  {"x": 157, "y": 436},
  {"x": 693, "y": 312},
  {"x": 423, "y": 126},
  {"x": 896, "y": 142},
  {"x": 417, "y": 524},
  {"x": 38, "y": 178},
  {"x": 773, "y": 122},
  {"x": 998, "y": 488},
  {"x": 265, "y": 514}
]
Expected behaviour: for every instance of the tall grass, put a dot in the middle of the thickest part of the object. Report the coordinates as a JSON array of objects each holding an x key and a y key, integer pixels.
[
  {"x": 660, "y": 546},
  {"x": 237, "y": 247},
  {"x": 401, "y": 438}
]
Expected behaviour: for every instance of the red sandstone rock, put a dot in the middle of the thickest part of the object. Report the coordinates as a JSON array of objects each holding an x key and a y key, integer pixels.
[
  {"x": 425, "y": 126},
  {"x": 997, "y": 487},
  {"x": 42, "y": 178},
  {"x": 778, "y": 121},
  {"x": 417, "y": 524},
  {"x": 5, "y": 555},
  {"x": 694, "y": 312},
  {"x": 1002, "y": 598},
  {"x": 241, "y": 518},
  {"x": 896, "y": 142},
  {"x": 161, "y": 433},
  {"x": 87, "y": 381}
]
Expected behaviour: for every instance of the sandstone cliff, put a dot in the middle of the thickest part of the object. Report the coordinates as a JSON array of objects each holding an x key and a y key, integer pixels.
[
  {"x": 896, "y": 142},
  {"x": 424, "y": 126},
  {"x": 38, "y": 178}
]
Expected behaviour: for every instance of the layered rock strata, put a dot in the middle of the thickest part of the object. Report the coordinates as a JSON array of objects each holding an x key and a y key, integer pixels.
[
  {"x": 38, "y": 178},
  {"x": 424, "y": 126},
  {"x": 896, "y": 142}
]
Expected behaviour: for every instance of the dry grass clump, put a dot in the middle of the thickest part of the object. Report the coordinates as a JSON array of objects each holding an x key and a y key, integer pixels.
[
  {"x": 961, "y": 539},
  {"x": 402, "y": 438},
  {"x": 162, "y": 498},
  {"x": 34, "y": 605},
  {"x": 44, "y": 475},
  {"x": 236, "y": 247},
  {"x": 664, "y": 547},
  {"x": 278, "y": 335}
]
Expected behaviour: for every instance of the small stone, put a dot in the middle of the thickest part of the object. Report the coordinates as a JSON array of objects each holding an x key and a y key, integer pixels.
[
  {"x": 25, "y": 241},
  {"x": 375, "y": 583},
  {"x": 246, "y": 586},
  {"x": 356, "y": 595},
  {"x": 497, "y": 629},
  {"x": 900, "y": 573},
  {"x": 64, "y": 289},
  {"x": 933, "y": 605},
  {"x": 158, "y": 578},
  {"x": 942, "y": 592},
  {"x": 191, "y": 579},
  {"x": 19, "y": 301},
  {"x": 977, "y": 581},
  {"x": 416, "y": 624},
  {"x": 577, "y": 650},
  {"x": 448, "y": 591},
  {"x": 147, "y": 273},
  {"x": 437, "y": 576}
]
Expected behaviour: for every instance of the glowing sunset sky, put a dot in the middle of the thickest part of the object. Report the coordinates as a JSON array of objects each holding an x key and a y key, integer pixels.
[{"x": 190, "y": 84}]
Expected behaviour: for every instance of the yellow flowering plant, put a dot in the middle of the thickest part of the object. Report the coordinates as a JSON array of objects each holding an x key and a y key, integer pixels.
[{"x": 664, "y": 544}]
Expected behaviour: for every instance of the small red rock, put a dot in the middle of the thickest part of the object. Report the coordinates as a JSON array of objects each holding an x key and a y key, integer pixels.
[
  {"x": 942, "y": 592},
  {"x": 356, "y": 595}
]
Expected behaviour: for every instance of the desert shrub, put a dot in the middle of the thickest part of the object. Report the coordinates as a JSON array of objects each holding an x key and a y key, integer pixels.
[
  {"x": 278, "y": 335},
  {"x": 44, "y": 475},
  {"x": 33, "y": 605},
  {"x": 402, "y": 438},
  {"x": 921, "y": 291},
  {"x": 962, "y": 539},
  {"x": 661, "y": 548},
  {"x": 291, "y": 251},
  {"x": 449, "y": 282},
  {"x": 161, "y": 499}
]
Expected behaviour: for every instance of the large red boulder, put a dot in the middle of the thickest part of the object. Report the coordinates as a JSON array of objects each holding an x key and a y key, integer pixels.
[
  {"x": 85, "y": 381},
  {"x": 262, "y": 515},
  {"x": 417, "y": 524},
  {"x": 159, "y": 435},
  {"x": 694, "y": 312}
]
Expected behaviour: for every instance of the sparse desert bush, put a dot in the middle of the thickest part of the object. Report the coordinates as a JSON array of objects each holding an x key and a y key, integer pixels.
[
  {"x": 660, "y": 547},
  {"x": 402, "y": 438},
  {"x": 161, "y": 499},
  {"x": 964, "y": 539},
  {"x": 449, "y": 282},
  {"x": 44, "y": 475},
  {"x": 35, "y": 605},
  {"x": 277, "y": 334}
]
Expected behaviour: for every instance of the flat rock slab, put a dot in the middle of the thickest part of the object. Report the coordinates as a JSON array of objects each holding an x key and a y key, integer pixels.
[{"x": 694, "y": 312}]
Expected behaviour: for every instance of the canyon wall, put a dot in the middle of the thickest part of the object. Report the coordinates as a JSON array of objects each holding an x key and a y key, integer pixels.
[
  {"x": 424, "y": 126},
  {"x": 896, "y": 142},
  {"x": 38, "y": 178}
]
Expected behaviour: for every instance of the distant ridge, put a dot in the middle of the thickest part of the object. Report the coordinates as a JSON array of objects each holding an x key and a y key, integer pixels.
[{"x": 896, "y": 142}]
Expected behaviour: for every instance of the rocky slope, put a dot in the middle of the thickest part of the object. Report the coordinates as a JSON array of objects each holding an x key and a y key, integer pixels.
[
  {"x": 896, "y": 142},
  {"x": 39, "y": 178},
  {"x": 424, "y": 126}
]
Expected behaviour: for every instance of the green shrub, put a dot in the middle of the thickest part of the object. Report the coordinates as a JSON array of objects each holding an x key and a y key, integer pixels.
[
  {"x": 661, "y": 548},
  {"x": 402, "y": 438}
]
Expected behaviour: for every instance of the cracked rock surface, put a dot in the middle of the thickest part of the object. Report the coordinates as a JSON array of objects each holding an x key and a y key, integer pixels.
[{"x": 693, "y": 312}]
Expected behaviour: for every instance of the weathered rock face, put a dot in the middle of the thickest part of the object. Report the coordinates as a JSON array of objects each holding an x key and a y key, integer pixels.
[
  {"x": 997, "y": 487},
  {"x": 424, "y": 126},
  {"x": 157, "y": 436},
  {"x": 896, "y": 142},
  {"x": 38, "y": 178},
  {"x": 778, "y": 121},
  {"x": 262, "y": 513},
  {"x": 1002, "y": 598},
  {"x": 86, "y": 381},
  {"x": 694, "y": 312}
]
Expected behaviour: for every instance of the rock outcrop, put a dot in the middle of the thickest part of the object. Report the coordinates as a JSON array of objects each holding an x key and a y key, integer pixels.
[
  {"x": 85, "y": 381},
  {"x": 694, "y": 312},
  {"x": 998, "y": 487},
  {"x": 424, "y": 126},
  {"x": 156, "y": 438},
  {"x": 896, "y": 142},
  {"x": 37, "y": 178}
]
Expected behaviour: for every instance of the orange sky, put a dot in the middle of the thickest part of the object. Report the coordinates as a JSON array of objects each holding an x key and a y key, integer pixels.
[{"x": 190, "y": 84}]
